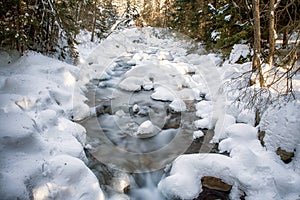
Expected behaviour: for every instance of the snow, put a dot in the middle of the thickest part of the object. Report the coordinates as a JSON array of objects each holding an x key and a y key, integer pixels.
[
  {"x": 239, "y": 51},
  {"x": 178, "y": 105},
  {"x": 282, "y": 127},
  {"x": 163, "y": 93},
  {"x": 198, "y": 134},
  {"x": 146, "y": 129},
  {"x": 227, "y": 18},
  {"x": 42, "y": 148},
  {"x": 131, "y": 84},
  {"x": 222, "y": 124},
  {"x": 42, "y": 152},
  {"x": 250, "y": 169}
]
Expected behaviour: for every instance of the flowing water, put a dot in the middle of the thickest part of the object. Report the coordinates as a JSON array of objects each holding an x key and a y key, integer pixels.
[{"x": 110, "y": 132}]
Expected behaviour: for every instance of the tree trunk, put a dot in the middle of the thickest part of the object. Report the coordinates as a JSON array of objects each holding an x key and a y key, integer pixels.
[
  {"x": 285, "y": 39},
  {"x": 94, "y": 21},
  {"x": 271, "y": 32},
  {"x": 256, "y": 65}
]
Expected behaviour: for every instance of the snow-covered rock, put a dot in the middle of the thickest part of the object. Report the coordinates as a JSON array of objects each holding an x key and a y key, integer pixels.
[
  {"x": 198, "y": 134},
  {"x": 162, "y": 93},
  {"x": 146, "y": 129},
  {"x": 178, "y": 105},
  {"x": 131, "y": 84},
  {"x": 250, "y": 169}
]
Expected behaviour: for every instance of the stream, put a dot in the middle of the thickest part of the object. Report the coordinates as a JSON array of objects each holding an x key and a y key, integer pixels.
[{"x": 126, "y": 163}]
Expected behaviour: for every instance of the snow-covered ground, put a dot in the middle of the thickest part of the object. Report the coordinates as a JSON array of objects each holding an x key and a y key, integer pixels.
[{"x": 42, "y": 155}]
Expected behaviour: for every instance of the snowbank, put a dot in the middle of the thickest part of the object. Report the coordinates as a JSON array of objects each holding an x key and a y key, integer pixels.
[
  {"x": 42, "y": 154},
  {"x": 249, "y": 169}
]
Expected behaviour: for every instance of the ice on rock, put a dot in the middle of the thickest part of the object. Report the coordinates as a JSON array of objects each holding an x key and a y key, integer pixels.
[
  {"x": 178, "y": 105},
  {"x": 146, "y": 129},
  {"x": 163, "y": 94}
]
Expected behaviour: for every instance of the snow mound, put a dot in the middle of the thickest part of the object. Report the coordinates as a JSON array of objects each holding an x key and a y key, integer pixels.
[
  {"x": 250, "y": 169},
  {"x": 131, "y": 84},
  {"x": 178, "y": 105},
  {"x": 163, "y": 94},
  {"x": 198, "y": 134},
  {"x": 42, "y": 155},
  {"x": 221, "y": 125},
  {"x": 282, "y": 127},
  {"x": 146, "y": 129}
]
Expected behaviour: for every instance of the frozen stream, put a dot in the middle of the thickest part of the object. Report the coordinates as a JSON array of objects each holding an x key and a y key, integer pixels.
[{"x": 114, "y": 130}]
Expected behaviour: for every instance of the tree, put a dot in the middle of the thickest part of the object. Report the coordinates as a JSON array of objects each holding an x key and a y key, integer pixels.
[{"x": 256, "y": 63}]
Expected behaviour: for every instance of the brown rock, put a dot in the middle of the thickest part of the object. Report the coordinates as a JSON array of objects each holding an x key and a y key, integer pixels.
[
  {"x": 261, "y": 135},
  {"x": 285, "y": 156},
  {"x": 215, "y": 184}
]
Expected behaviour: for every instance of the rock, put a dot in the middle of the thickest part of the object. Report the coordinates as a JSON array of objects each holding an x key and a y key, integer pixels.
[
  {"x": 261, "y": 135},
  {"x": 285, "y": 156},
  {"x": 178, "y": 105},
  {"x": 146, "y": 129},
  {"x": 135, "y": 108},
  {"x": 215, "y": 184},
  {"x": 209, "y": 194}
]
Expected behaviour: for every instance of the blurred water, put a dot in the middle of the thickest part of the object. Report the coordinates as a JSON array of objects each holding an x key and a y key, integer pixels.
[{"x": 110, "y": 132}]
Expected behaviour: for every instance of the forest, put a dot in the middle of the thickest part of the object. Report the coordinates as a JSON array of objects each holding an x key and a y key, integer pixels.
[{"x": 150, "y": 99}]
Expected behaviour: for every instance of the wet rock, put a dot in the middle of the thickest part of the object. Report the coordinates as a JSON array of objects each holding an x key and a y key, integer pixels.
[
  {"x": 103, "y": 108},
  {"x": 172, "y": 121},
  {"x": 209, "y": 194},
  {"x": 215, "y": 184},
  {"x": 285, "y": 156}
]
